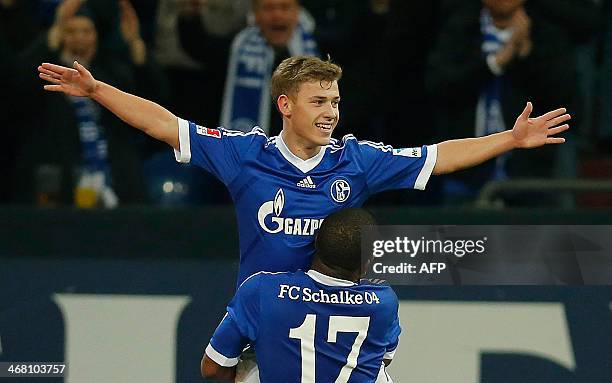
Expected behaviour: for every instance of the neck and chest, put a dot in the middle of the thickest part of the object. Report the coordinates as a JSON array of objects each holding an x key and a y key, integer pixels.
[{"x": 281, "y": 201}]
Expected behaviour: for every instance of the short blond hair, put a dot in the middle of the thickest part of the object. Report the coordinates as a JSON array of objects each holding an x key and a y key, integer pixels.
[{"x": 294, "y": 71}]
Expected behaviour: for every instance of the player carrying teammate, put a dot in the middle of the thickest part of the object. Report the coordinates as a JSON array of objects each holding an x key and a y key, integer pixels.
[
  {"x": 318, "y": 326},
  {"x": 284, "y": 186}
]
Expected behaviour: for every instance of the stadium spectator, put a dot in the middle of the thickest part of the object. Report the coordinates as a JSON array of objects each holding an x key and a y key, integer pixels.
[
  {"x": 489, "y": 58},
  {"x": 283, "y": 187},
  {"x": 197, "y": 55},
  {"x": 281, "y": 29},
  {"x": 218, "y": 17},
  {"x": 73, "y": 145},
  {"x": 291, "y": 313}
]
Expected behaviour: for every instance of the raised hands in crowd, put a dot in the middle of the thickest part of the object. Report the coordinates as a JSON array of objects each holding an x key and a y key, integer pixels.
[
  {"x": 63, "y": 13},
  {"x": 130, "y": 31},
  {"x": 65, "y": 30},
  {"x": 520, "y": 44}
]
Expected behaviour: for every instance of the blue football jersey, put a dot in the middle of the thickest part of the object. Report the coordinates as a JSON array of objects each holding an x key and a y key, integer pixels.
[
  {"x": 325, "y": 329},
  {"x": 281, "y": 200}
]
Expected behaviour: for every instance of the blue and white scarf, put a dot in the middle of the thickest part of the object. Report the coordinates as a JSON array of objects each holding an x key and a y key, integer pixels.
[
  {"x": 246, "y": 102},
  {"x": 489, "y": 113},
  {"x": 95, "y": 171}
]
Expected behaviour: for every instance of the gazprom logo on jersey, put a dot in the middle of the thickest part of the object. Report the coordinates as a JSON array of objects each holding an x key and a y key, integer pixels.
[{"x": 270, "y": 211}]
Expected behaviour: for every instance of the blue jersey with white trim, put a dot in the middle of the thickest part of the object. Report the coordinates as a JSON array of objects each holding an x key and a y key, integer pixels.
[
  {"x": 281, "y": 200},
  {"x": 325, "y": 328}
]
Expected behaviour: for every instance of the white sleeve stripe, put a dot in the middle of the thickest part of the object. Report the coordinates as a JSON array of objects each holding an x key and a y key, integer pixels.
[
  {"x": 219, "y": 358},
  {"x": 256, "y": 130},
  {"x": 427, "y": 169},
  {"x": 390, "y": 354},
  {"x": 377, "y": 145},
  {"x": 184, "y": 154},
  {"x": 261, "y": 272}
]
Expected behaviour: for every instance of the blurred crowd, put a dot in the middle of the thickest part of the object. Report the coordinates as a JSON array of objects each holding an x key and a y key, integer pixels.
[{"x": 415, "y": 72}]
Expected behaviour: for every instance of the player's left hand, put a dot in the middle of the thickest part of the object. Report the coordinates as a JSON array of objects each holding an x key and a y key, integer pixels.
[{"x": 533, "y": 132}]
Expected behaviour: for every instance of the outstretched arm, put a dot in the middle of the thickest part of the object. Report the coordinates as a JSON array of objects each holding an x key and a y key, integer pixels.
[
  {"x": 527, "y": 133},
  {"x": 142, "y": 114}
]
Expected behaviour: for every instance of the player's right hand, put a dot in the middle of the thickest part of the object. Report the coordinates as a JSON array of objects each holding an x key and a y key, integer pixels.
[{"x": 75, "y": 82}]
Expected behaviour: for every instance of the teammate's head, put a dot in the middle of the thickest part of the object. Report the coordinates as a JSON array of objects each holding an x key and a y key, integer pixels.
[
  {"x": 307, "y": 95},
  {"x": 338, "y": 242},
  {"x": 276, "y": 19}
]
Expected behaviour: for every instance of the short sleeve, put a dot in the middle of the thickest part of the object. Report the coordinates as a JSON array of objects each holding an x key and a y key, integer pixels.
[
  {"x": 226, "y": 344},
  {"x": 393, "y": 333},
  {"x": 218, "y": 151},
  {"x": 388, "y": 168},
  {"x": 239, "y": 327}
]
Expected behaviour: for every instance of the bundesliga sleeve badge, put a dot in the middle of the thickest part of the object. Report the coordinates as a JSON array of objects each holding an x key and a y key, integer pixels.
[{"x": 216, "y": 133}]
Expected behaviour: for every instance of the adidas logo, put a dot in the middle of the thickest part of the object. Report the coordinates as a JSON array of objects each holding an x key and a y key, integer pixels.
[{"x": 307, "y": 183}]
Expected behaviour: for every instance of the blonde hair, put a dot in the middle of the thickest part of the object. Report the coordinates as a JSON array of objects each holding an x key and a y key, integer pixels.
[{"x": 294, "y": 71}]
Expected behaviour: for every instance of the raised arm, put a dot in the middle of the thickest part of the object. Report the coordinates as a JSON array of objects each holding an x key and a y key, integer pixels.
[
  {"x": 142, "y": 114},
  {"x": 527, "y": 133}
]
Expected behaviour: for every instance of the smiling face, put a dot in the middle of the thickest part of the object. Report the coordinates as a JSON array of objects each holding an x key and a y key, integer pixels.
[
  {"x": 305, "y": 90},
  {"x": 277, "y": 19},
  {"x": 313, "y": 112}
]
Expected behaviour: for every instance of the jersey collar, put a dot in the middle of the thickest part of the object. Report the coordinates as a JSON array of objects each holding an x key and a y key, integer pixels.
[
  {"x": 327, "y": 280},
  {"x": 304, "y": 165}
]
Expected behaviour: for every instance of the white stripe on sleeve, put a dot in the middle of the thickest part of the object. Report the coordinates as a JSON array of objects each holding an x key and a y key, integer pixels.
[
  {"x": 219, "y": 358},
  {"x": 184, "y": 154},
  {"x": 427, "y": 169}
]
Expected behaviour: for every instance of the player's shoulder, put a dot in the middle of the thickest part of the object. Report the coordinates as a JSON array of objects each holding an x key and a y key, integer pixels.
[
  {"x": 221, "y": 132},
  {"x": 351, "y": 144},
  {"x": 373, "y": 282},
  {"x": 379, "y": 286},
  {"x": 252, "y": 141},
  {"x": 255, "y": 133},
  {"x": 268, "y": 277}
]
